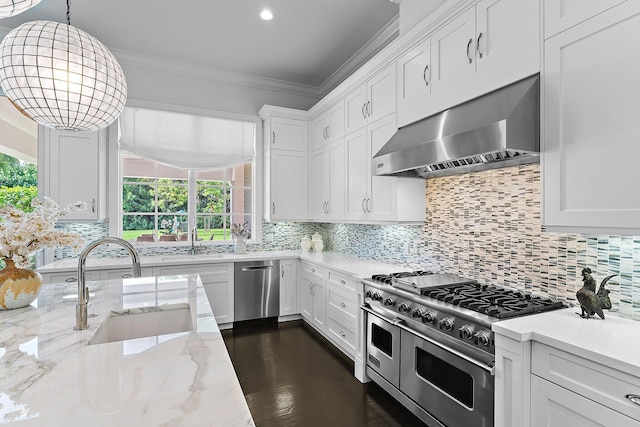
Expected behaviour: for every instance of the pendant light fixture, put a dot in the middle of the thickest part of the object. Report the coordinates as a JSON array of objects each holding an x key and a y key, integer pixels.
[
  {"x": 13, "y": 7},
  {"x": 61, "y": 77}
]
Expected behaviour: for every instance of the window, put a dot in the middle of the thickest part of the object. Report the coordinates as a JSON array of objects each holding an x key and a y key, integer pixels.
[{"x": 156, "y": 200}]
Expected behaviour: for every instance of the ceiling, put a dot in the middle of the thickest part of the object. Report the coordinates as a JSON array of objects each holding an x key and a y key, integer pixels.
[{"x": 313, "y": 43}]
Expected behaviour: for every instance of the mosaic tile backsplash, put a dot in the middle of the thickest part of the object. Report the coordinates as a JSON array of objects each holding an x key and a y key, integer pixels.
[{"x": 483, "y": 225}]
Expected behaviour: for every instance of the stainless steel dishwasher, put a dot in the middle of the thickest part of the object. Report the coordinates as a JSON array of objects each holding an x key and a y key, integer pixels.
[{"x": 256, "y": 290}]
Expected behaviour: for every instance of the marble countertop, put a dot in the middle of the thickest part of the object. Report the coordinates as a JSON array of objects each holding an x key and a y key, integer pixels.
[
  {"x": 349, "y": 265},
  {"x": 613, "y": 342},
  {"x": 71, "y": 264},
  {"x": 51, "y": 376}
]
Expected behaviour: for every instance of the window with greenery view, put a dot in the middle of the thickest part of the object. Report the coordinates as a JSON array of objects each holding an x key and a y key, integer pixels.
[
  {"x": 156, "y": 200},
  {"x": 18, "y": 183}
]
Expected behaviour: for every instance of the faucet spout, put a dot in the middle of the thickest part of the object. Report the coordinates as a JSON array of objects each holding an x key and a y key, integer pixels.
[
  {"x": 83, "y": 292},
  {"x": 194, "y": 237}
]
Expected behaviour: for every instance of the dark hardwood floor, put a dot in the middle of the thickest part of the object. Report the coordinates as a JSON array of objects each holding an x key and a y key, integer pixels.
[{"x": 291, "y": 376}]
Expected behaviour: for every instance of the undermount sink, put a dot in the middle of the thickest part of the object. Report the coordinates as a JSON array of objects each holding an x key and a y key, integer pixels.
[
  {"x": 133, "y": 323},
  {"x": 191, "y": 257}
]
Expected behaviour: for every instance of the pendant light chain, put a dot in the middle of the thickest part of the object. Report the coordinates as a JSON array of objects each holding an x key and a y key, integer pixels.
[{"x": 68, "y": 12}]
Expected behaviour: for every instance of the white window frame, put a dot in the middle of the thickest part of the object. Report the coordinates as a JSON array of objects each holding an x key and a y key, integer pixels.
[{"x": 114, "y": 180}]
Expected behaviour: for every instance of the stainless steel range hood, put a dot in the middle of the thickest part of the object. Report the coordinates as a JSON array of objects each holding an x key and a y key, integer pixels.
[{"x": 495, "y": 130}]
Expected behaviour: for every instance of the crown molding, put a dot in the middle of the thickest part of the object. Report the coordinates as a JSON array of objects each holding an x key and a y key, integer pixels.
[{"x": 378, "y": 42}]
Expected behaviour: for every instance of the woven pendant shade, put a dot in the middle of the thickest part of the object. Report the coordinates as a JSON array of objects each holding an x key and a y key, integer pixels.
[
  {"x": 13, "y": 7},
  {"x": 61, "y": 77}
]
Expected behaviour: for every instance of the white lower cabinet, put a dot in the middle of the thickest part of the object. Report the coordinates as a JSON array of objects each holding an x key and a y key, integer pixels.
[
  {"x": 217, "y": 280},
  {"x": 288, "y": 287},
  {"x": 342, "y": 312},
  {"x": 313, "y": 306}
]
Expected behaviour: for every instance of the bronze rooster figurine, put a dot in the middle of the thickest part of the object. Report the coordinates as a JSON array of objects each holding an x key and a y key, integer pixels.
[{"x": 591, "y": 302}]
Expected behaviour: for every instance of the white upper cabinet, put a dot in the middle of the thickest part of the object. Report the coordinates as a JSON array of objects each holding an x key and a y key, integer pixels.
[
  {"x": 490, "y": 45},
  {"x": 286, "y": 134},
  {"x": 285, "y": 164},
  {"x": 73, "y": 168},
  {"x": 379, "y": 198},
  {"x": 414, "y": 82},
  {"x": 591, "y": 126},
  {"x": 329, "y": 126},
  {"x": 560, "y": 15},
  {"x": 371, "y": 101},
  {"x": 328, "y": 175}
]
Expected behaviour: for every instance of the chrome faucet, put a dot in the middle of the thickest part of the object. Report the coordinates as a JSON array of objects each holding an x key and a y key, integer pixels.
[
  {"x": 83, "y": 292},
  {"x": 194, "y": 237}
]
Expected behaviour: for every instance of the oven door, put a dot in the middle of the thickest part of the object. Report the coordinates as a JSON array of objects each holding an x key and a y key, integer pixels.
[
  {"x": 451, "y": 388},
  {"x": 383, "y": 348}
]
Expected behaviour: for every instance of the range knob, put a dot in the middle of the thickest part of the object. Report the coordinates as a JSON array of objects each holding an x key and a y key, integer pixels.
[
  {"x": 466, "y": 332},
  {"x": 428, "y": 317},
  {"x": 418, "y": 312},
  {"x": 368, "y": 294},
  {"x": 482, "y": 338},
  {"x": 404, "y": 307},
  {"x": 447, "y": 323},
  {"x": 389, "y": 301},
  {"x": 376, "y": 297}
]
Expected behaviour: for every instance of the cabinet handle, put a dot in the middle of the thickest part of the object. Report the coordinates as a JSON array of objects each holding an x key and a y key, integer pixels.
[
  {"x": 342, "y": 334},
  {"x": 313, "y": 270},
  {"x": 282, "y": 269},
  {"x": 310, "y": 288},
  {"x": 468, "y": 51},
  {"x": 369, "y": 109},
  {"x": 126, "y": 276},
  {"x": 273, "y": 137},
  {"x": 327, "y": 208},
  {"x": 478, "y": 46},
  {"x": 368, "y": 207},
  {"x": 343, "y": 282},
  {"x": 343, "y": 305},
  {"x": 424, "y": 75},
  {"x": 363, "y": 113},
  {"x": 363, "y": 208},
  {"x": 273, "y": 208},
  {"x": 634, "y": 398},
  {"x": 71, "y": 279},
  {"x": 93, "y": 205},
  {"x": 313, "y": 286},
  {"x": 328, "y": 134}
]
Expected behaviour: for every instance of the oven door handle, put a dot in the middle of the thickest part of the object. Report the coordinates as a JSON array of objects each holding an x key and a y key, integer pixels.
[
  {"x": 489, "y": 368},
  {"x": 396, "y": 321}
]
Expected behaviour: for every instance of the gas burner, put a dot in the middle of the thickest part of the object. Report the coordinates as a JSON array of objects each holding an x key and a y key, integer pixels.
[{"x": 493, "y": 301}]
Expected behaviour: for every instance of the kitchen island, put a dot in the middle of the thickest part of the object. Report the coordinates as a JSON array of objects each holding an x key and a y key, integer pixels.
[{"x": 51, "y": 375}]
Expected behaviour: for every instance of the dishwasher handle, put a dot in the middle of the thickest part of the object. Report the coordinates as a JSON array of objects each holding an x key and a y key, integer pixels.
[{"x": 257, "y": 267}]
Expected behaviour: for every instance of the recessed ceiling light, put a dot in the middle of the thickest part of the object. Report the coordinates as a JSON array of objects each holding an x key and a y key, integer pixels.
[{"x": 266, "y": 15}]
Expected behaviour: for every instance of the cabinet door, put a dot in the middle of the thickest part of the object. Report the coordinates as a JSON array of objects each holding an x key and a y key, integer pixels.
[
  {"x": 382, "y": 201},
  {"x": 381, "y": 94},
  {"x": 71, "y": 156},
  {"x": 355, "y": 105},
  {"x": 288, "y": 134},
  {"x": 319, "y": 306},
  {"x": 335, "y": 118},
  {"x": 288, "y": 188},
  {"x": 288, "y": 288},
  {"x": 358, "y": 167},
  {"x": 453, "y": 57},
  {"x": 219, "y": 290},
  {"x": 320, "y": 134},
  {"x": 555, "y": 406},
  {"x": 414, "y": 83},
  {"x": 336, "y": 177},
  {"x": 306, "y": 298},
  {"x": 562, "y": 14},
  {"x": 320, "y": 183},
  {"x": 591, "y": 126},
  {"x": 507, "y": 41}
]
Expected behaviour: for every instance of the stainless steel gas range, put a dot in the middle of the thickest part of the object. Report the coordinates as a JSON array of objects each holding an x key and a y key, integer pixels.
[{"x": 430, "y": 344}]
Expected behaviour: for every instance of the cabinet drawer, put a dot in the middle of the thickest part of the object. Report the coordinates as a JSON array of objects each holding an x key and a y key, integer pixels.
[
  {"x": 70, "y": 277},
  {"x": 343, "y": 281},
  {"x": 342, "y": 333},
  {"x": 597, "y": 382},
  {"x": 342, "y": 301},
  {"x": 314, "y": 270}
]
